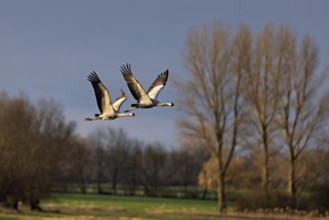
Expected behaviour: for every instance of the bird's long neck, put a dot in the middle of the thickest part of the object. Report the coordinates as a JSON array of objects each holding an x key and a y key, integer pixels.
[
  {"x": 125, "y": 114},
  {"x": 165, "y": 104}
]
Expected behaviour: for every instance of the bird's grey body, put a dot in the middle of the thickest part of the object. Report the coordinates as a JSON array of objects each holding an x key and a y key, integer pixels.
[
  {"x": 108, "y": 110},
  {"x": 145, "y": 99}
]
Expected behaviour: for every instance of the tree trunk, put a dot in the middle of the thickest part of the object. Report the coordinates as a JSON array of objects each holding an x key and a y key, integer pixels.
[
  {"x": 204, "y": 193},
  {"x": 99, "y": 182},
  {"x": 82, "y": 186},
  {"x": 114, "y": 180},
  {"x": 35, "y": 205},
  {"x": 265, "y": 172},
  {"x": 292, "y": 190},
  {"x": 221, "y": 192}
]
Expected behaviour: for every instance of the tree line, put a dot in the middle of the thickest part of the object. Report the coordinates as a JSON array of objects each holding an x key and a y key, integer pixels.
[
  {"x": 254, "y": 115},
  {"x": 117, "y": 164},
  {"x": 247, "y": 91},
  {"x": 40, "y": 154},
  {"x": 33, "y": 139}
]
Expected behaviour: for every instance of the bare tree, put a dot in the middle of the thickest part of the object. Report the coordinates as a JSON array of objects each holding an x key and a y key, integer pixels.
[
  {"x": 211, "y": 95},
  {"x": 79, "y": 162},
  {"x": 131, "y": 167},
  {"x": 300, "y": 109},
  {"x": 32, "y": 138},
  {"x": 184, "y": 165},
  {"x": 154, "y": 161},
  {"x": 119, "y": 151},
  {"x": 117, "y": 159},
  {"x": 262, "y": 97},
  {"x": 98, "y": 141}
]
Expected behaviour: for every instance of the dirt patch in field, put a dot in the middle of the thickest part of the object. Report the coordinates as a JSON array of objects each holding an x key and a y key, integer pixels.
[
  {"x": 8, "y": 211},
  {"x": 89, "y": 212},
  {"x": 184, "y": 214},
  {"x": 243, "y": 215}
]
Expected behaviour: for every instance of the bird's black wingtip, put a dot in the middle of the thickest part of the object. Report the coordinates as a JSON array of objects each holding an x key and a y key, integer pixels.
[
  {"x": 93, "y": 77},
  {"x": 125, "y": 68}
]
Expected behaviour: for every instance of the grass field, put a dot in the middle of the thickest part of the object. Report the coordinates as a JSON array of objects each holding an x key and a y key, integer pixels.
[
  {"x": 92, "y": 207},
  {"x": 77, "y": 206}
]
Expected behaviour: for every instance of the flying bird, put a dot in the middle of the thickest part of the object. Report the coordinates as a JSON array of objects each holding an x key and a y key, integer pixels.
[
  {"x": 145, "y": 99},
  {"x": 108, "y": 110}
]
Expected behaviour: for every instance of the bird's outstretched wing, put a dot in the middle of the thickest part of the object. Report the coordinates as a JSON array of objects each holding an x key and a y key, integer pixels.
[
  {"x": 158, "y": 85},
  {"x": 118, "y": 102},
  {"x": 101, "y": 93},
  {"x": 134, "y": 86}
]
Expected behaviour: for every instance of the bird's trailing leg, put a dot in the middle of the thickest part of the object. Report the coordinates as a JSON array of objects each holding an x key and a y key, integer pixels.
[
  {"x": 90, "y": 119},
  {"x": 130, "y": 109},
  {"x": 93, "y": 119}
]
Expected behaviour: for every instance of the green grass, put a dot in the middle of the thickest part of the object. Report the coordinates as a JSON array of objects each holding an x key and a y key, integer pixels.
[
  {"x": 103, "y": 207},
  {"x": 78, "y": 206},
  {"x": 174, "y": 191},
  {"x": 133, "y": 202}
]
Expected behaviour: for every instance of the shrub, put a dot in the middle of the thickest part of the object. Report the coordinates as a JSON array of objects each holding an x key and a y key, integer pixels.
[
  {"x": 255, "y": 200},
  {"x": 319, "y": 198}
]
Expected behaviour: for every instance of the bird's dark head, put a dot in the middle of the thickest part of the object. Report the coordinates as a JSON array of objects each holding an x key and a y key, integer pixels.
[{"x": 172, "y": 104}]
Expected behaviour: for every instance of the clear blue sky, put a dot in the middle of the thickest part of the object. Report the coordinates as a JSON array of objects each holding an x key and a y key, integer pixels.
[{"x": 47, "y": 48}]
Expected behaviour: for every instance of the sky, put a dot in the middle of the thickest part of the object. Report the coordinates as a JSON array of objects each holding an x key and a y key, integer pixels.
[{"x": 47, "y": 49}]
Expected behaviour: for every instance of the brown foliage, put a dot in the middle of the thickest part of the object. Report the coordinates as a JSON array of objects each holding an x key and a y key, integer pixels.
[{"x": 32, "y": 138}]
